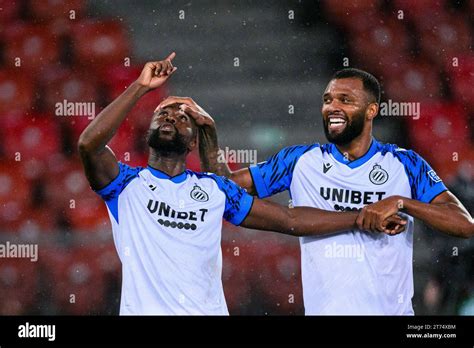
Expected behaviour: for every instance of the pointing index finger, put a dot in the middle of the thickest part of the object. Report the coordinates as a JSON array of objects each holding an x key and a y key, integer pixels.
[{"x": 171, "y": 56}]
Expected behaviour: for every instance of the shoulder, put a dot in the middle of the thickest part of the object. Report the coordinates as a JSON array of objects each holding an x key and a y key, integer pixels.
[
  {"x": 129, "y": 170},
  {"x": 209, "y": 177},
  {"x": 223, "y": 184},
  {"x": 115, "y": 187},
  {"x": 403, "y": 155},
  {"x": 297, "y": 150}
]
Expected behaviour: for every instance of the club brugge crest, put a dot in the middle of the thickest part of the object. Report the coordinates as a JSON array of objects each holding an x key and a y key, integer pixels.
[
  {"x": 378, "y": 175},
  {"x": 198, "y": 194}
]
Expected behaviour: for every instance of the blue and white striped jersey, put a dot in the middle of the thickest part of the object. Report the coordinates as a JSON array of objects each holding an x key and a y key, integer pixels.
[
  {"x": 167, "y": 231},
  {"x": 353, "y": 272}
]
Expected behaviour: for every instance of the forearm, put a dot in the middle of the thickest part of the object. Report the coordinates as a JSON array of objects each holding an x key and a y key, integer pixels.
[
  {"x": 306, "y": 221},
  {"x": 299, "y": 221},
  {"x": 447, "y": 217},
  {"x": 209, "y": 153},
  {"x": 101, "y": 130}
]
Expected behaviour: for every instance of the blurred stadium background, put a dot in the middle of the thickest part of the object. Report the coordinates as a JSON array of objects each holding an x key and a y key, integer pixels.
[{"x": 425, "y": 56}]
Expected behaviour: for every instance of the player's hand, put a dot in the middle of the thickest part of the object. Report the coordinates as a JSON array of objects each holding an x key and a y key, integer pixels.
[
  {"x": 394, "y": 224},
  {"x": 154, "y": 74},
  {"x": 372, "y": 216},
  {"x": 191, "y": 108}
]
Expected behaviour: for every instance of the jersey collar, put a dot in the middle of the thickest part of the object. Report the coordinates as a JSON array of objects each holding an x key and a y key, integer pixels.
[
  {"x": 359, "y": 161},
  {"x": 162, "y": 175}
]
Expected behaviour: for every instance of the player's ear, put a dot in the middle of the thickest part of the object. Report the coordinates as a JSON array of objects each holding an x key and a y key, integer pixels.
[
  {"x": 372, "y": 111},
  {"x": 192, "y": 144}
]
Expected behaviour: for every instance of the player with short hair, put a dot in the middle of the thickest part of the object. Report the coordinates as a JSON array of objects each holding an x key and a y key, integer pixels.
[
  {"x": 167, "y": 220},
  {"x": 353, "y": 171}
]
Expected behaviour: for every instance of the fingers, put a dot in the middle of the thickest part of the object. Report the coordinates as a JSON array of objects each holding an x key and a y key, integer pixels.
[
  {"x": 395, "y": 229},
  {"x": 171, "y": 56},
  {"x": 176, "y": 100},
  {"x": 163, "y": 67},
  {"x": 372, "y": 222},
  {"x": 394, "y": 219},
  {"x": 194, "y": 113},
  {"x": 394, "y": 225}
]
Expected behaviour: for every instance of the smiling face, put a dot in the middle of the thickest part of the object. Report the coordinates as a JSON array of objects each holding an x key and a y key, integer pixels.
[
  {"x": 172, "y": 131},
  {"x": 347, "y": 107}
]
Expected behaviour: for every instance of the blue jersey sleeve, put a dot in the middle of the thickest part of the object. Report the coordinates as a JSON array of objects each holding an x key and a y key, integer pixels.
[
  {"x": 238, "y": 202},
  {"x": 275, "y": 174},
  {"x": 424, "y": 182},
  {"x": 111, "y": 192}
]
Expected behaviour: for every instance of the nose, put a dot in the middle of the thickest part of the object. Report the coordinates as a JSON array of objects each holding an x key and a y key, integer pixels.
[
  {"x": 332, "y": 107},
  {"x": 170, "y": 119}
]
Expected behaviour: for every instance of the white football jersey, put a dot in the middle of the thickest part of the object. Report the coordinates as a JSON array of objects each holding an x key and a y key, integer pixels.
[
  {"x": 167, "y": 231},
  {"x": 352, "y": 272}
]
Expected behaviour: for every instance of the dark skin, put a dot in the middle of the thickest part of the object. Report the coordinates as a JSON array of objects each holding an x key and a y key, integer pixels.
[
  {"x": 101, "y": 167},
  {"x": 345, "y": 98}
]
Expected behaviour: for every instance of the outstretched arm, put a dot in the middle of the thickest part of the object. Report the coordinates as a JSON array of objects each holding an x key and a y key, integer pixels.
[
  {"x": 306, "y": 221},
  {"x": 208, "y": 144},
  {"x": 444, "y": 213},
  {"x": 99, "y": 161}
]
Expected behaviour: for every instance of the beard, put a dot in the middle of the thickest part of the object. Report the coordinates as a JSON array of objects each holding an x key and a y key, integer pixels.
[
  {"x": 353, "y": 129},
  {"x": 176, "y": 145}
]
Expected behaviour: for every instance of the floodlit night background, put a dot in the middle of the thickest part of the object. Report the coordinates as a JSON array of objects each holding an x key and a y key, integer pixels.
[{"x": 259, "y": 68}]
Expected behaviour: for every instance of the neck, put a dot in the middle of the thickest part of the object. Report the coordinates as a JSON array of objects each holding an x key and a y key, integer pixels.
[
  {"x": 170, "y": 163},
  {"x": 357, "y": 147}
]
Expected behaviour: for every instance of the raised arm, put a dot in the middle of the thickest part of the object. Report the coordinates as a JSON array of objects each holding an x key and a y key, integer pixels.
[
  {"x": 208, "y": 144},
  {"x": 100, "y": 163}
]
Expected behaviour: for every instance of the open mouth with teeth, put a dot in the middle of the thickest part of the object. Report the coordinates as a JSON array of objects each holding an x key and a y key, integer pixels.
[
  {"x": 336, "y": 123},
  {"x": 167, "y": 128}
]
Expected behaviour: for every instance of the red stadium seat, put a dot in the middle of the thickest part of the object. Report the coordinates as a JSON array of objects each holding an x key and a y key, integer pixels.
[
  {"x": 63, "y": 88},
  {"x": 463, "y": 79},
  {"x": 235, "y": 276},
  {"x": 18, "y": 285},
  {"x": 123, "y": 142},
  {"x": 50, "y": 9},
  {"x": 413, "y": 81},
  {"x": 16, "y": 92},
  {"x": 38, "y": 222},
  {"x": 279, "y": 277},
  {"x": 66, "y": 181},
  {"x": 14, "y": 196},
  {"x": 9, "y": 10},
  {"x": 69, "y": 194},
  {"x": 450, "y": 37},
  {"x": 420, "y": 10},
  {"x": 381, "y": 45},
  {"x": 61, "y": 84},
  {"x": 441, "y": 131},
  {"x": 12, "y": 215},
  {"x": 118, "y": 77},
  {"x": 89, "y": 215},
  {"x": 352, "y": 15},
  {"x": 100, "y": 43},
  {"x": 263, "y": 267},
  {"x": 33, "y": 44},
  {"x": 35, "y": 136},
  {"x": 77, "y": 280}
]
